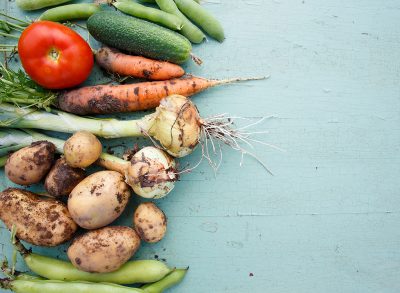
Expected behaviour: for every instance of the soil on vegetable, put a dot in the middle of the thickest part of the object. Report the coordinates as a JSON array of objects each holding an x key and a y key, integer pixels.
[{"x": 64, "y": 178}]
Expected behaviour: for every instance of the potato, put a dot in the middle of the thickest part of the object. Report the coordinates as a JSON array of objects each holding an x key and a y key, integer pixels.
[
  {"x": 98, "y": 199},
  {"x": 82, "y": 149},
  {"x": 38, "y": 221},
  {"x": 150, "y": 222},
  {"x": 103, "y": 250},
  {"x": 30, "y": 164},
  {"x": 62, "y": 178}
]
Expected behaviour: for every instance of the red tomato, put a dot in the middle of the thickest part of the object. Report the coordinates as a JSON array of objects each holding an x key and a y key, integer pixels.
[{"x": 54, "y": 56}]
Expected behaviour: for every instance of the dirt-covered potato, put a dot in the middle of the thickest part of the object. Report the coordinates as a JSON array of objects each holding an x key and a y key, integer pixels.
[
  {"x": 150, "y": 222},
  {"x": 62, "y": 178},
  {"x": 103, "y": 250},
  {"x": 98, "y": 199},
  {"x": 30, "y": 164},
  {"x": 44, "y": 222},
  {"x": 82, "y": 149}
]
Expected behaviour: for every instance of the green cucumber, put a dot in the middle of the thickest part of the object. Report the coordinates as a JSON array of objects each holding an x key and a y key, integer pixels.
[{"x": 139, "y": 37}]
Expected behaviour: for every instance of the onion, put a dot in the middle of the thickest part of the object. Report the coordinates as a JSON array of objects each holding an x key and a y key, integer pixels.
[
  {"x": 177, "y": 125},
  {"x": 151, "y": 173}
]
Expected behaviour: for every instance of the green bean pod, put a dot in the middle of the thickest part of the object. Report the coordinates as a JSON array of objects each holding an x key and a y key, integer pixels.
[
  {"x": 31, "y": 284},
  {"x": 202, "y": 17},
  {"x": 154, "y": 1},
  {"x": 70, "y": 12},
  {"x": 25, "y": 277},
  {"x": 189, "y": 30},
  {"x": 154, "y": 15},
  {"x": 38, "y": 4},
  {"x": 139, "y": 271},
  {"x": 52, "y": 286},
  {"x": 167, "y": 282}
]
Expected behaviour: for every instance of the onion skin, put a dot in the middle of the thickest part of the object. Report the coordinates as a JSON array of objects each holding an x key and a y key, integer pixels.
[
  {"x": 151, "y": 173},
  {"x": 177, "y": 125}
]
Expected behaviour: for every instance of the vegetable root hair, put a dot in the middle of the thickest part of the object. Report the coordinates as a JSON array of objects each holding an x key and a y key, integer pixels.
[{"x": 219, "y": 130}]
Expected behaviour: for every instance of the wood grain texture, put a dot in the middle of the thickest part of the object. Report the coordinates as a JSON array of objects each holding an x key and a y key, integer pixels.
[{"x": 329, "y": 220}]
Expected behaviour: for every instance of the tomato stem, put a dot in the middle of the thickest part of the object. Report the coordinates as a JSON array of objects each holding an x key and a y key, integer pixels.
[{"x": 54, "y": 54}]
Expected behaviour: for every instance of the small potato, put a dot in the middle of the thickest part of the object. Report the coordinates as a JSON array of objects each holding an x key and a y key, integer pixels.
[
  {"x": 62, "y": 178},
  {"x": 38, "y": 221},
  {"x": 150, "y": 222},
  {"x": 82, "y": 149},
  {"x": 30, "y": 164},
  {"x": 103, "y": 250},
  {"x": 98, "y": 199}
]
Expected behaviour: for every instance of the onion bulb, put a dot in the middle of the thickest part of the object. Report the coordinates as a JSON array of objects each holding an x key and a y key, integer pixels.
[
  {"x": 151, "y": 173},
  {"x": 177, "y": 125}
]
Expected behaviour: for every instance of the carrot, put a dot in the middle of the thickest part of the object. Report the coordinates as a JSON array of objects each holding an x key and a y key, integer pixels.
[
  {"x": 103, "y": 99},
  {"x": 136, "y": 66}
]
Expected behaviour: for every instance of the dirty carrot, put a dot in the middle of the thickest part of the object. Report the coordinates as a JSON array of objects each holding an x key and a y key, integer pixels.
[
  {"x": 102, "y": 99},
  {"x": 136, "y": 66},
  {"x": 18, "y": 89}
]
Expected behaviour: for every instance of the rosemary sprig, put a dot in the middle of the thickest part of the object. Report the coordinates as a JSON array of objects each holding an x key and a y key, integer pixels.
[{"x": 17, "y": 88}]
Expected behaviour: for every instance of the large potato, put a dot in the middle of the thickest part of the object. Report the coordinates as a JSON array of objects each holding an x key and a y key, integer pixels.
[
  {"x": 150, "y": 222},
  {"x": 104, "y": 250},
  {"x": 38, "y": 221},
  {"x": 62, "y": 178},
  {"x": 98, "y": 199},
  {"x": 30, "y": 164}
]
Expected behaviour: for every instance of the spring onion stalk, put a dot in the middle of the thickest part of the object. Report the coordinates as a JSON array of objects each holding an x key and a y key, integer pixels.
[
  {"x": 151, "y": 172},
  {"x": 175, "y": 124}
]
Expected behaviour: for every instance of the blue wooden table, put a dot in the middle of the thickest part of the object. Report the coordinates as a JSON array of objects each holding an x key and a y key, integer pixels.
[{"x": 328, "y": 220}]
